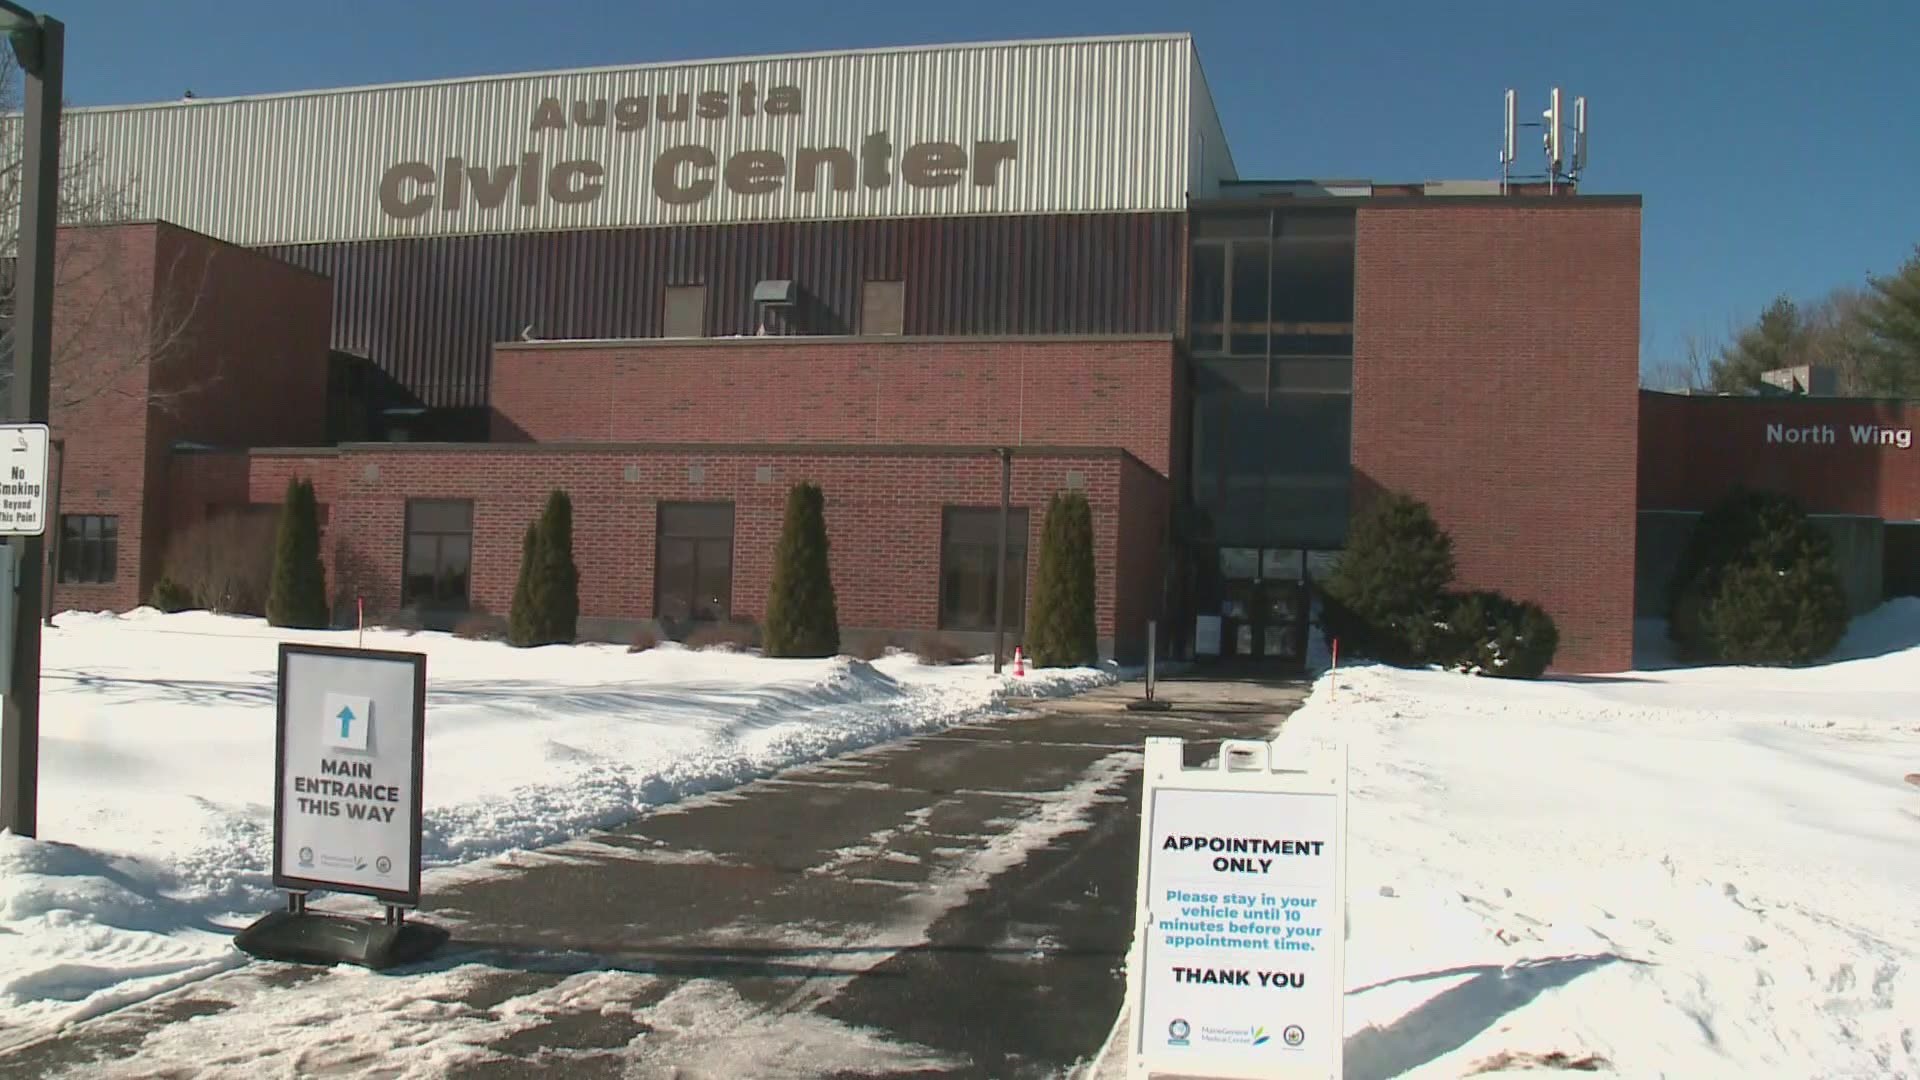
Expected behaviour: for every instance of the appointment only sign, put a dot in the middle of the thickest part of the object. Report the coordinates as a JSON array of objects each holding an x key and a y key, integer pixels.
[
  {"x": 1241, "y": 917},
  {"x": 346, "y": 810}
]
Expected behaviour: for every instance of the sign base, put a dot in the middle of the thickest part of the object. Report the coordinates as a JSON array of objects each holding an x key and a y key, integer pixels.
[
  {"x": 307, "y": 937},
  {"x": 1149, "y": 705}
]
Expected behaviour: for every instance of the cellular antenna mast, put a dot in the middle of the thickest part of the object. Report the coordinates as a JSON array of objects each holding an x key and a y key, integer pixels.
[{"x": 1564, "y": 163}]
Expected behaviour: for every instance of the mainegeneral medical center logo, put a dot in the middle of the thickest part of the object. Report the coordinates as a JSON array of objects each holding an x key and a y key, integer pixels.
[{"x": 1181, "y": 1033}]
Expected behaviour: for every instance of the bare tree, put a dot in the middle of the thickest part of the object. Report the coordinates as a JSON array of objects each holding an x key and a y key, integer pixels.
[
  {"x": 102, "y": 296},
  {"x": 1689, "y": 369},
  {"x": 1837, "y": 337}
]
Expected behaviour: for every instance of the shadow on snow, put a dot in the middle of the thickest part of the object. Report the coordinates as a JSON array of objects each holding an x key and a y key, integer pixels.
[{"x": 1453, "y": 1018}]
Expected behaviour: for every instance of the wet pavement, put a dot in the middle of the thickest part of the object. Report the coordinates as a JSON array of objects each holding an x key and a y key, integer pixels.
[{"x": 954, "y": 905}]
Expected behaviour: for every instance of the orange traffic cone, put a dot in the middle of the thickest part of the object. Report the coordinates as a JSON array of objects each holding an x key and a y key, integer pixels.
[{"x": 1019, "y": 663}]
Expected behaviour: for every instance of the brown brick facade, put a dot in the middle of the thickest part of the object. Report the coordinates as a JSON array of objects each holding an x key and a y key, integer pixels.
[
  {"x": 162, "y": 335},
  {"x": 884, "y": 512},
  {"x": 982, "y": 392},
  {"x": 1496, "y": 377},
  {"x": 1827, "y": 453}
]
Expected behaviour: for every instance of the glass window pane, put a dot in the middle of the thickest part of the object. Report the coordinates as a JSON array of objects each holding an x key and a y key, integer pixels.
[
  {"x": 697, "y": 520},
  {"x": 1249, "y": 287},
  {"x": 1313, "y": 376},
  {"x": 673, "y": 578},
  {"x": 109, "y": 557},
  {"x": 1280, "y": 564},
  {"x": 1016, "y": 590},
  {"x": 1239, "y": 563},
  {"x": 423, "y": 555},
  {"x": 713, "y": 580},
  {"x": 1209, "y": 282},
  {"x": 439, "y": 516},
  {"x": 1231, "y": 223},
  {"x": 967, "y": 584},
  {"x": 456, "y": 557}
]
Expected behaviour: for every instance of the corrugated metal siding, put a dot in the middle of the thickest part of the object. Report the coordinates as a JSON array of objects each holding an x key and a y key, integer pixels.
[
  {"x": 428, "y": 311},
  {"x": 1100, "y": 126}
]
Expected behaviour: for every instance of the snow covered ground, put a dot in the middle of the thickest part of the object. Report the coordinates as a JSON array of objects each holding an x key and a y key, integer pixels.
[
  {"x": 1686, "y": 873},
  {"x": 157, "y": 773}
]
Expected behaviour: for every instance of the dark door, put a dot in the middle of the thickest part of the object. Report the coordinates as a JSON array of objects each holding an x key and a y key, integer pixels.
[{"x": 1264, "y": 624}]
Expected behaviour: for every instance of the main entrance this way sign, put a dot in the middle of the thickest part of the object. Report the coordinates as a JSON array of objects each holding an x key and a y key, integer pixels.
[
  {"x": 346, "y": 805},
  {"x": 23, "y": 479},
  {"x": 1241, "y": 917}
]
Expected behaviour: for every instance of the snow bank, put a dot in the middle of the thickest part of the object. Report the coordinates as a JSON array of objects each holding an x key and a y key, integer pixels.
[
  {"x": 157, "y": 770},
  {"x": 1702, "y": 872}
]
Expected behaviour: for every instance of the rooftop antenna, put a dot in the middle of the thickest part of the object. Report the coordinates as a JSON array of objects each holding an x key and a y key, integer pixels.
[
  {"x": 1579, "y": 136},
  {"x": 1508, "y": 145},
  {"x": 1550, "y": 139},
  {"x": 1566, "y": 161}
]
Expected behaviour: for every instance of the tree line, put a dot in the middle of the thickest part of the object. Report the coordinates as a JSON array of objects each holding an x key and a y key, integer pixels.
[{"x": 1869, "y": 335}]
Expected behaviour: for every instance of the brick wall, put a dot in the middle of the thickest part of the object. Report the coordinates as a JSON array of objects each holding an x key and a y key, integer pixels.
[
  {"x": 1059, "y": 392},
  {"x": 239, "y": 360},
  {"x": 1496, "y": 377},
  {"x": 1141, "y": 563},
  {"x": 244, "y": 331},
  {"x": 163, "y": 335},
  {"x": 1694, "y": 450},
  {"x": 102, "y": 309},
  {"x": 883, "y": 516}
]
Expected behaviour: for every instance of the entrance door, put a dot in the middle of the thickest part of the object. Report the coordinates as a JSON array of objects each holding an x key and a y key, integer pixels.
[{"x": 1263, "y": 619}]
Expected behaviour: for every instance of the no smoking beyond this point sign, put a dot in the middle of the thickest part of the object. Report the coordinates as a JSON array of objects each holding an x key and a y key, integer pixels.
[{"x": 23, "y": 479}]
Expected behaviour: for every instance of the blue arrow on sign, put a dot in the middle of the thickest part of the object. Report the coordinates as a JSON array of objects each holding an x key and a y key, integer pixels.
[{"x": 346, "y": 719}]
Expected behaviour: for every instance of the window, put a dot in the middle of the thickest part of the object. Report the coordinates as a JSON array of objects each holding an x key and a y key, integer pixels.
[
  {"x": 686, "y": 311},
  {"x": 693, "y": 562},
  {"x": 439, "y": 552},
  {"x": 89, "y": 548},
  {"x": 970, "y": 540},
  {"x": 883, "y": 307}
]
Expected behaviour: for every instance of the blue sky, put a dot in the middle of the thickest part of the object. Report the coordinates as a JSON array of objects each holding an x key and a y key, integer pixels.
[{"x": 1771, "y": 141}]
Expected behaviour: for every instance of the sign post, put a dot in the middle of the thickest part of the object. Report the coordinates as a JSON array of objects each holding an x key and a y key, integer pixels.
[
  {"x": 39, "y": 45},
  {"x": 23, "y": 520},
  {"x": 1240, "y": 917},
  {"x": 1150, "y": 703},
  {"x": 346, "y": 806}
]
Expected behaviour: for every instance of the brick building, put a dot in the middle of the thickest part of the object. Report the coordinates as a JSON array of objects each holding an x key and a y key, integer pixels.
[
  {"x": 1851, "y": 463},
  {"x": 675, "y": 290}
]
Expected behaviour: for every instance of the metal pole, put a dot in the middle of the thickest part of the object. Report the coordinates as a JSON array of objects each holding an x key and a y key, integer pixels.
[
  {"x": 53, "y": 526},
  {"x": 1000, "y": 564},
  {"x": 39, "y": 44},
  {"x": 1153, "y": 635}
]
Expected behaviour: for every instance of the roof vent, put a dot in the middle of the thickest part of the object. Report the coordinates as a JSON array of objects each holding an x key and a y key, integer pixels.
[{"x": 776, "y": 293}]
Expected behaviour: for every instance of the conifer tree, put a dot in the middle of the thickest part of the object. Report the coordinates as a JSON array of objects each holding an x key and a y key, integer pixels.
[
  {"x": 802, "y": 615},
  {"x": 1756, "y": 584},
  {"x": 546, "y": 598},
  {"x": 1387, "y": 594},
  {"x": 1060, "y": 627},
  {"x": 297, "y": 597}
]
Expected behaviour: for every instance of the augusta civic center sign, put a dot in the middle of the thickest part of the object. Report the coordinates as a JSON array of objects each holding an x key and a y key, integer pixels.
[
  {"x": 684, "y": 167},
  {"x": 346, "y": 806},
  {"x": 1241, "y": 917}
]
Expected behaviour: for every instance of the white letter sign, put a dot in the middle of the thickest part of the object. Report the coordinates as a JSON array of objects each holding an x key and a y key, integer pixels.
[
  {"x": 346, "y": 811},
  {"x": 1240, "y": 918},
  {"x": 23, "y": 479}
]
